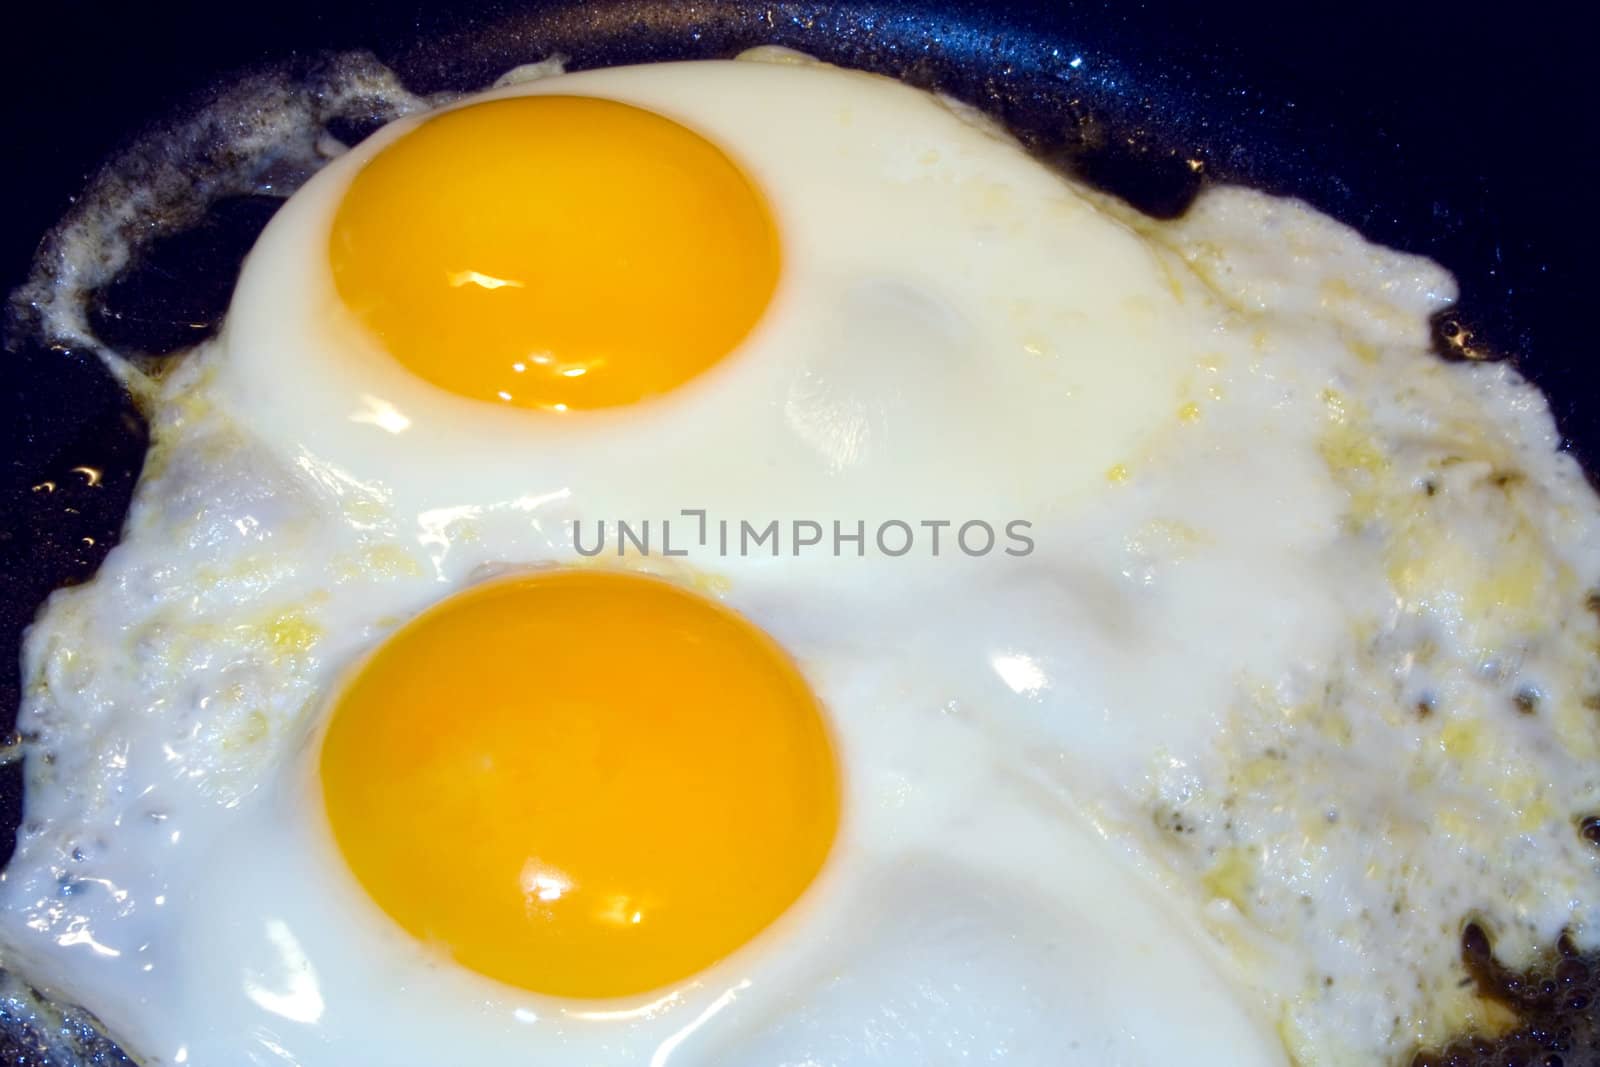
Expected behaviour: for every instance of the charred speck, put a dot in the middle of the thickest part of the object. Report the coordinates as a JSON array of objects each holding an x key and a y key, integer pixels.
[
  {"x": 174, "y": 292},
  {"x": 1454, "y": 339},
  {"x": 1506, "y": 479},
  {"x": 1526, "y": 701},
  {"x": 1554, "y": 1002},
  {"x": 1589, "y": 829}
]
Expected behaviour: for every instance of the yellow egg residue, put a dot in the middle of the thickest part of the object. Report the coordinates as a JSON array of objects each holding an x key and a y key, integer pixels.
[
  {"x": 1230, "y": 877},
  {"x": 1348, "y": 447},
  {"x": 383, "y": 560},
  {"x": 292, "y": 632},
  {"x": 1461, "y": 739}
]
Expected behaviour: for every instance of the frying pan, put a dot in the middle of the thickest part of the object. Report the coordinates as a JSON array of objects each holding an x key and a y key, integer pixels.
[{"x": 1467, "y": 137}]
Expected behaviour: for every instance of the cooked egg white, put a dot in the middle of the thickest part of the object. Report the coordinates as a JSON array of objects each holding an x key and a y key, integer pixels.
[{"x": 1297, "y": 675}]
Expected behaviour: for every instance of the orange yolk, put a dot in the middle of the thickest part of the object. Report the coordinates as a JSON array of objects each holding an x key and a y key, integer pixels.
[
  {"x": 582, "y": 783},
  {"x": 554, "y": 252}
]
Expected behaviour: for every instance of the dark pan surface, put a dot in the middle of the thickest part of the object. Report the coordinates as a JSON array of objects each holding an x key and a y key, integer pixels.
[{"x": 1465, "y": 138}]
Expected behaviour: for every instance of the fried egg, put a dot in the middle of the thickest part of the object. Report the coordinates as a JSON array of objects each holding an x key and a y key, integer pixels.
[
  {"x": 858, "y": 350},
  {"x": 356, "y": 751}
]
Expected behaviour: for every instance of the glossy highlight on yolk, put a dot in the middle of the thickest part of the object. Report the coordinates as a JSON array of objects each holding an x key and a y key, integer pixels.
[
  {"x": 554, "y": 252},
  {"x": 582, "y": 783}
]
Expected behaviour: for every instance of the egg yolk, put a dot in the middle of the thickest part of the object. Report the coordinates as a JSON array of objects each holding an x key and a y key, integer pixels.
[
  {"x": 582, "y": 783},
  {"x": 554, "y": 252}
]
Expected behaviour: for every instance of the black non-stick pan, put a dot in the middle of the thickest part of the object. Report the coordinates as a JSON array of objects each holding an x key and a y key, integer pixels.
[{"x": 1462, "y": 132}]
